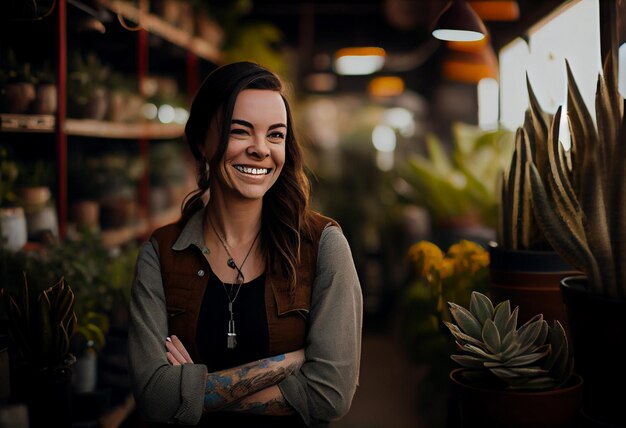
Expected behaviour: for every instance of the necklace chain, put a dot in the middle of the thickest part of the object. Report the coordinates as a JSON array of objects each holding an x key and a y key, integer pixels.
[
  {"x": 231, "y": 261},
  {"x": 239, "y": 280}
]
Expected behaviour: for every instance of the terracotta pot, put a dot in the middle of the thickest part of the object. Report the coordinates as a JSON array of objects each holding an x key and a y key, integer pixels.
[
  {"x": 598, "y": 329},
  {"x": 530, "y": 280},
  {"x": 34, "y": 198},
  {"x": 481, "y": 407},
  {"x": 45, "y": 99},
  {"x": 97, "y": 105},
  {"x": 86, "y": 214},
  {"x": 18, "y": 97}
]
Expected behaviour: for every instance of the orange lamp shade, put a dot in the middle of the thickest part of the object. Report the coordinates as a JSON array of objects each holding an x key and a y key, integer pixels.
[
  {"x": 470, "y": 67},
  {"x": 494, "y": 10}
]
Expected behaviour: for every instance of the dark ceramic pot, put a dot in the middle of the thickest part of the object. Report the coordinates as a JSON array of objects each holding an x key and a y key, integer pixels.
[
  {"x": 482, "y": 407},
  {"x": 530, "y": 280},
  {"x": 598, "y": 331}
]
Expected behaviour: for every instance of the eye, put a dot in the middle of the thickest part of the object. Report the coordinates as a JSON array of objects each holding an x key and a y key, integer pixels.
[
  {"x": 238, "y": 131},
  {"x": 277, "y": 136}
]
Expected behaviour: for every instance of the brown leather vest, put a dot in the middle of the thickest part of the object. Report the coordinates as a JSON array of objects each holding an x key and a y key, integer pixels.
[{"x": 185, "y": 276}]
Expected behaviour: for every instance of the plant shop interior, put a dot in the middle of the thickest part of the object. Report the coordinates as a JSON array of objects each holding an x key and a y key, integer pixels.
[{"x": 472, "y": 151}]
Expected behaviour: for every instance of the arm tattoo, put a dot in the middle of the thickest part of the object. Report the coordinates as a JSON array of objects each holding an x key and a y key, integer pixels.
[
  {"x": 258, "y": 382},
  {"x": 228, "y": 386},
  {"x": 276, "y": 407}
]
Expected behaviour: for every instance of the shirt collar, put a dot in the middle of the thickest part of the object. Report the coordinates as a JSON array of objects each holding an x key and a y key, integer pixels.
[{"x": 192, "y": 233}]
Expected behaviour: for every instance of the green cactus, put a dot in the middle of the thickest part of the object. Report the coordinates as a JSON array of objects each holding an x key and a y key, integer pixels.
[
  {"x": 535, "y": 356},
  {"x": 41, "y": 323}
]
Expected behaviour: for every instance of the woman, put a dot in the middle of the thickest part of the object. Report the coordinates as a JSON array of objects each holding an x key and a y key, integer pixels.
[{"x": 247, "y": 311}]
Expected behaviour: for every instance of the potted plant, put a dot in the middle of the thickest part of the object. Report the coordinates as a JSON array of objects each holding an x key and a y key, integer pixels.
[
  {"x": 435, "y": 278},
  {"x": 18, "y": 91},
  {"x": 41, "y": 322},
  {"x": 523, "y": 266},
  {"x": 34, "y": 195},
  {"x": 87, "y": 89},
  {"x": 525, "y": 374},
  {"x": 459, "y": 189},
  {"x": 84, "y": 191},
  {"x": 46, "y": 96},
  {"x": 582, "y": 212}
]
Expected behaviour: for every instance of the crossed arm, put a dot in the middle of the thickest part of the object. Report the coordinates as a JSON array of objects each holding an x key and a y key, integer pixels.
[{"x": 249, "y": 388}]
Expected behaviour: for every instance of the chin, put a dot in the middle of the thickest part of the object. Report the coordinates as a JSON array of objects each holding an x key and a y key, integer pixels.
[{"x": 251, "y": 194}]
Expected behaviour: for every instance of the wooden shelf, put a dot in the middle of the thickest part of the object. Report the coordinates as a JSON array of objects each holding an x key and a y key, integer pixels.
[
  {"x": 154, "y": 24},
  {"x": 43, "y": 123},
  {"x": 90, "y": 128},
  {"x": 102, "y": 129}
]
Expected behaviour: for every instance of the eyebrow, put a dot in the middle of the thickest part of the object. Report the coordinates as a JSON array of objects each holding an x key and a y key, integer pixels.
[{"x": 249, "y": 125}]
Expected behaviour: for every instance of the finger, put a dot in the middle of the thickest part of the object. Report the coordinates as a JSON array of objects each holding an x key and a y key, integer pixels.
[
  {"x": 175, "y": 352},
  {"x": 179, "y": 345},
  {"x": 171, "y": 359}
]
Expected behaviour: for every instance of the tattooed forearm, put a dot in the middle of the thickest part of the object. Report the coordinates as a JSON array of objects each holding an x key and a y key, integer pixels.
[
  {"x": 229, "y": 386},
  {"x": 276, "y": 407},
  {"x": 262, "y": 380}
]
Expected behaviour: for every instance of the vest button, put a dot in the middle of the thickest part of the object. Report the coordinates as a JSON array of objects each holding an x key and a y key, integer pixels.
[{"x": 201, "y": 273}]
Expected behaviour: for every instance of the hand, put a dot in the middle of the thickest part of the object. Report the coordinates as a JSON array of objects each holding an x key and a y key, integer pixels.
[{"x": 176, "y": 352}]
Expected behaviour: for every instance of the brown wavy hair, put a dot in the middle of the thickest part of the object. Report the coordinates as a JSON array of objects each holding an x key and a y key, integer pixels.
[{"x": 286, "y": 214}]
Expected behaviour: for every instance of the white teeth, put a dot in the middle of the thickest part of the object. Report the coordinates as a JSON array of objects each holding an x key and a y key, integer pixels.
[{"x": 252, "y": 171}]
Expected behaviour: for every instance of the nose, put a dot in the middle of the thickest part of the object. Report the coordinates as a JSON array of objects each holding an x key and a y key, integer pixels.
[{"x": 259, "y": 148}]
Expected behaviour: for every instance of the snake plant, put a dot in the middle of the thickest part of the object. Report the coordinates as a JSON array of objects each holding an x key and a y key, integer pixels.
[
  {"x": 535, "y": 356},
  {"x": 41, "y": 323},
  {"x": 579, "y": 196},
  {"x": 517, "y": 226}
]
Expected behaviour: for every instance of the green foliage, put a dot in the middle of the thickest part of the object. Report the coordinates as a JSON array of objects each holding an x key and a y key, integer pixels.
[
  {"x": 463, "y": 183},
  {"x": 534, "y": 356},
  {"x": 257, "y": 42},
  {"x": 41, "y": 323},
  {"x": 100, "y": 279},
  {"x": 437, "y": 278}
]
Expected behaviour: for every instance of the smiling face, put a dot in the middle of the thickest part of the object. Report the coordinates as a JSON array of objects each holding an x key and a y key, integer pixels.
[{"x": 255, "y": 154}]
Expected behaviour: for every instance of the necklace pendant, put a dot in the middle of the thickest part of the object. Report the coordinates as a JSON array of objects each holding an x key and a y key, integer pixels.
[{"x": 231, "y": 340}]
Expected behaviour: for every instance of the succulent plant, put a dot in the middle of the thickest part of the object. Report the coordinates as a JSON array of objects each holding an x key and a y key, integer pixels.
[
  {"x": 535, "y": 356},
  {"x": 580, "y": 203}
]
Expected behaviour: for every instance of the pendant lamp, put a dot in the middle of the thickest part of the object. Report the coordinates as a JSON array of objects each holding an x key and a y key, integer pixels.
[{"x": 459, "y": 22}]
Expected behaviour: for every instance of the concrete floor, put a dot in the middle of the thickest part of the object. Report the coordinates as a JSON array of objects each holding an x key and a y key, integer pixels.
[{"x": 388, "y": 391}]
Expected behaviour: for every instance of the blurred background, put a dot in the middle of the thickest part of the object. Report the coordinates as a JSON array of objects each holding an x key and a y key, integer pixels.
[{"x": 406, "y": 148}]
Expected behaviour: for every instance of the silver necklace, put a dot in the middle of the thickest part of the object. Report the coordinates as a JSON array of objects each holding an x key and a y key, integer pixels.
[{"x": 231, "y": 336}]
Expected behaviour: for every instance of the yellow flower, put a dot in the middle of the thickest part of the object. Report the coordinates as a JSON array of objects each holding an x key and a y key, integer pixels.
[
  {"x": 468, "y": 256},
  {"x": 446, "y": 268},
  {"x": 425, "y": 256}
]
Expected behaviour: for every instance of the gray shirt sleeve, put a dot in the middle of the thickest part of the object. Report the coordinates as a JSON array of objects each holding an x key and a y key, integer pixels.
[
  {"x": 323, "y": 388},
  {"x": 163, "y": 393}
]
